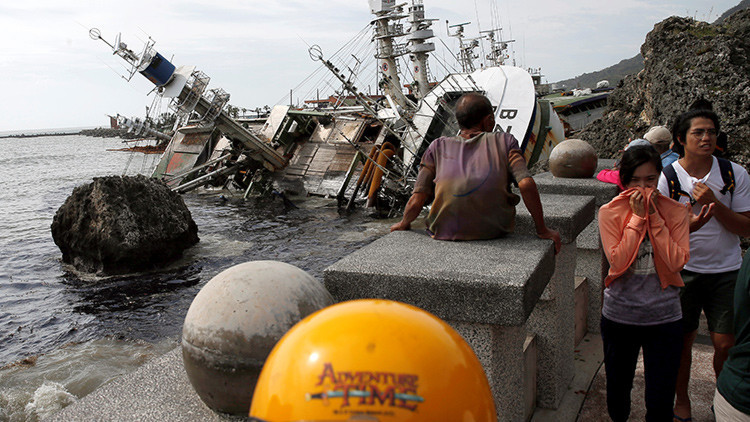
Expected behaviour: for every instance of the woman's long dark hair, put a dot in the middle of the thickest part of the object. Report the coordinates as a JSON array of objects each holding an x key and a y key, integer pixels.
[{"x": 633, "y": 158}]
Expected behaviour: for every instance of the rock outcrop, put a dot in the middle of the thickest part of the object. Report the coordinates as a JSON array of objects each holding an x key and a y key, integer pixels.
[
  {"x": 117, "y": 225},
  {"x": 684, "y": 60}
]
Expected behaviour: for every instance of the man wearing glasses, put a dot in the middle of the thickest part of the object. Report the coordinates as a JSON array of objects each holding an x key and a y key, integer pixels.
[{"x": 721, "y": 214}]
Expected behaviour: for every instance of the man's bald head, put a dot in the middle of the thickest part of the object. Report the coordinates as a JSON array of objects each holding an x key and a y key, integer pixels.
[{"x": 471, "y": 109}]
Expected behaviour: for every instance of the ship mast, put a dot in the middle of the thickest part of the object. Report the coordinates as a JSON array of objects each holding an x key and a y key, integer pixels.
[
  {"x": 387, "y": 29},
  {"x": 418, "y": 48}
]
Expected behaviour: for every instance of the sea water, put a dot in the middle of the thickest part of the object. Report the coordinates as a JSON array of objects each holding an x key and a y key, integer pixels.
[{"x": 61, "y": 334}]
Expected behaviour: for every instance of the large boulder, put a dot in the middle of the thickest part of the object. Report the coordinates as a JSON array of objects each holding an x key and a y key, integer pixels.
[
  {"x": 684, "y": 60},
  {"x": 117, "y": 225}
]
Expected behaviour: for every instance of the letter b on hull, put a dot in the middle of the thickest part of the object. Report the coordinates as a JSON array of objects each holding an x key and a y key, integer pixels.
[{"x": 507, "y": 114}]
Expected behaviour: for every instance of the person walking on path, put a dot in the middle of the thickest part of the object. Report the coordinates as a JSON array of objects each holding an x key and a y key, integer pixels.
[
  {"x": 720, "y": 215},
  {"x": 469, "y": 177},
  {"x": 645, "y": 239}
]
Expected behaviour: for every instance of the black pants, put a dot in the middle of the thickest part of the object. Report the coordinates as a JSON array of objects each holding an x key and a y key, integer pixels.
[{"x": 662, "y": 345}]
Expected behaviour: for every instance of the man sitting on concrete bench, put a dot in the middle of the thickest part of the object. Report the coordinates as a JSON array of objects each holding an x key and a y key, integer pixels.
[{"x": 469, "y": 178}]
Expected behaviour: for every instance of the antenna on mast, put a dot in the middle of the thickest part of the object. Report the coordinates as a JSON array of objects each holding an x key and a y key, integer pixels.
[
  {"x": 387, "y": 28},
  {"x": 149, "y": 63},
  {"x": 497, "y": 54},
  {"x": 466, "y": 47}
]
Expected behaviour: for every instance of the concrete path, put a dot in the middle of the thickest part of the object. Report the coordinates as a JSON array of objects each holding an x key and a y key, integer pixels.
[
  {"x": 702, "y": 385},
  {"x": 588, "y": 358},
  {"x": 157, "y": 391},
  {"x": 160, "y": 391}
]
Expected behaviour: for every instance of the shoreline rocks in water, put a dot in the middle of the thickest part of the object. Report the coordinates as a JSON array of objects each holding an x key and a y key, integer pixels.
[
  {"x": 118, "y": 225},
  {"x": 685, "y": 60},
  {"x": 99, "y": 132},
  {"x": 103, "y": 132}
]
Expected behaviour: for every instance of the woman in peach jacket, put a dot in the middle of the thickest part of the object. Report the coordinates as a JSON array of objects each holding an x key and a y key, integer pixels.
[{"x": 645, "y": 238}]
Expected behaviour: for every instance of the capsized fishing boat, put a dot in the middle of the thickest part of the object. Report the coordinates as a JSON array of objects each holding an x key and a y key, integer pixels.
[
  {"x": 319, "y": 148},
  {"x": 579, "y": 107}
]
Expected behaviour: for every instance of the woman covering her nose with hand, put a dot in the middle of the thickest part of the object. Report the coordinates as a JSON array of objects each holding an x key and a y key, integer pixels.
[{"x": 645, "y": 237}]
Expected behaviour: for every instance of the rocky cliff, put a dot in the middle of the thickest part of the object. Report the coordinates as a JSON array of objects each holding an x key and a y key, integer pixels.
[{"x": 684, "y": 60}]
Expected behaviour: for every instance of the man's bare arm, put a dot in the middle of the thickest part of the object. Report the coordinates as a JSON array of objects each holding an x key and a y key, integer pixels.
[
  {"x": 530, "y": 195},
  {"x": 736, "y": 222},
  {"x": 411, "y": 212}
]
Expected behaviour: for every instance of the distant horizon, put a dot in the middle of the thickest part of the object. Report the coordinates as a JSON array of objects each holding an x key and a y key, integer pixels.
[{"x": 43, "y": 131}]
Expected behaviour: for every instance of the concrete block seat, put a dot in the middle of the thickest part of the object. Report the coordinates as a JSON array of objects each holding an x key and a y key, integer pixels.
[
  {"x": 486, "y": 290},
  {"x": 568, "y": 214},
  {"x": 553, "y": 319},
  {"x": 591, "y": 262},
  {"x": 603, "y": 192},
  {"x": 493, "y": 281}
]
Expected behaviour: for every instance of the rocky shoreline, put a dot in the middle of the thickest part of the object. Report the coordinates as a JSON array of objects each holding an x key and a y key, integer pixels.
[
  {"x": 102, "y": 132},
  {"x": 99, "y": 132}
]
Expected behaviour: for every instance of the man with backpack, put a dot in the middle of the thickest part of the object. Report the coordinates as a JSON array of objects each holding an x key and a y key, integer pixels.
[{"x": 719, "y": 192}]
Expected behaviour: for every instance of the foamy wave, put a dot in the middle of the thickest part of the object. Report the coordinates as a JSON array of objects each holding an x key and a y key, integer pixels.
[{"x": 48, "y": 399}]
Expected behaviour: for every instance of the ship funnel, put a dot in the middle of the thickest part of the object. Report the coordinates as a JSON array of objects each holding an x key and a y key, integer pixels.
[{"x": 156, "y": 68}]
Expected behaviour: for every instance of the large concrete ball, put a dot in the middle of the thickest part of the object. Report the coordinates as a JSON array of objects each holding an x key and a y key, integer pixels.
[
  {"x": 573, "y": 158},
  {"x": 234, "y": 322}
]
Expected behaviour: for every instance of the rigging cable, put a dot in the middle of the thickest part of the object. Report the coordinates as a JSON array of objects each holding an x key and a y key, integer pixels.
[
  {"x": 346, "y": 45},
  {"x": 479, "y": 30}
]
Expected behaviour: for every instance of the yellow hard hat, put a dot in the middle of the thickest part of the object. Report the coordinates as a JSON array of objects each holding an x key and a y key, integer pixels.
[{"x": 376, "y": 360}]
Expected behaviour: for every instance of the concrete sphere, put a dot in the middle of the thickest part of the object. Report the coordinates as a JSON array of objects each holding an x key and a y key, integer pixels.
[
  {"x": 573, "y": 158},
  {"x": 234, "y": 322}
]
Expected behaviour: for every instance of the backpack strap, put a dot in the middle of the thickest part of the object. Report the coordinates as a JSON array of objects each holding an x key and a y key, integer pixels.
[
  {"x": 727, "y": 175},
  {"x": 673, "y": 184}
]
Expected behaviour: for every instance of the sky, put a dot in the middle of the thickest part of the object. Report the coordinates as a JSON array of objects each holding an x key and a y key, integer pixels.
[{"x": 53, "y": 75}]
